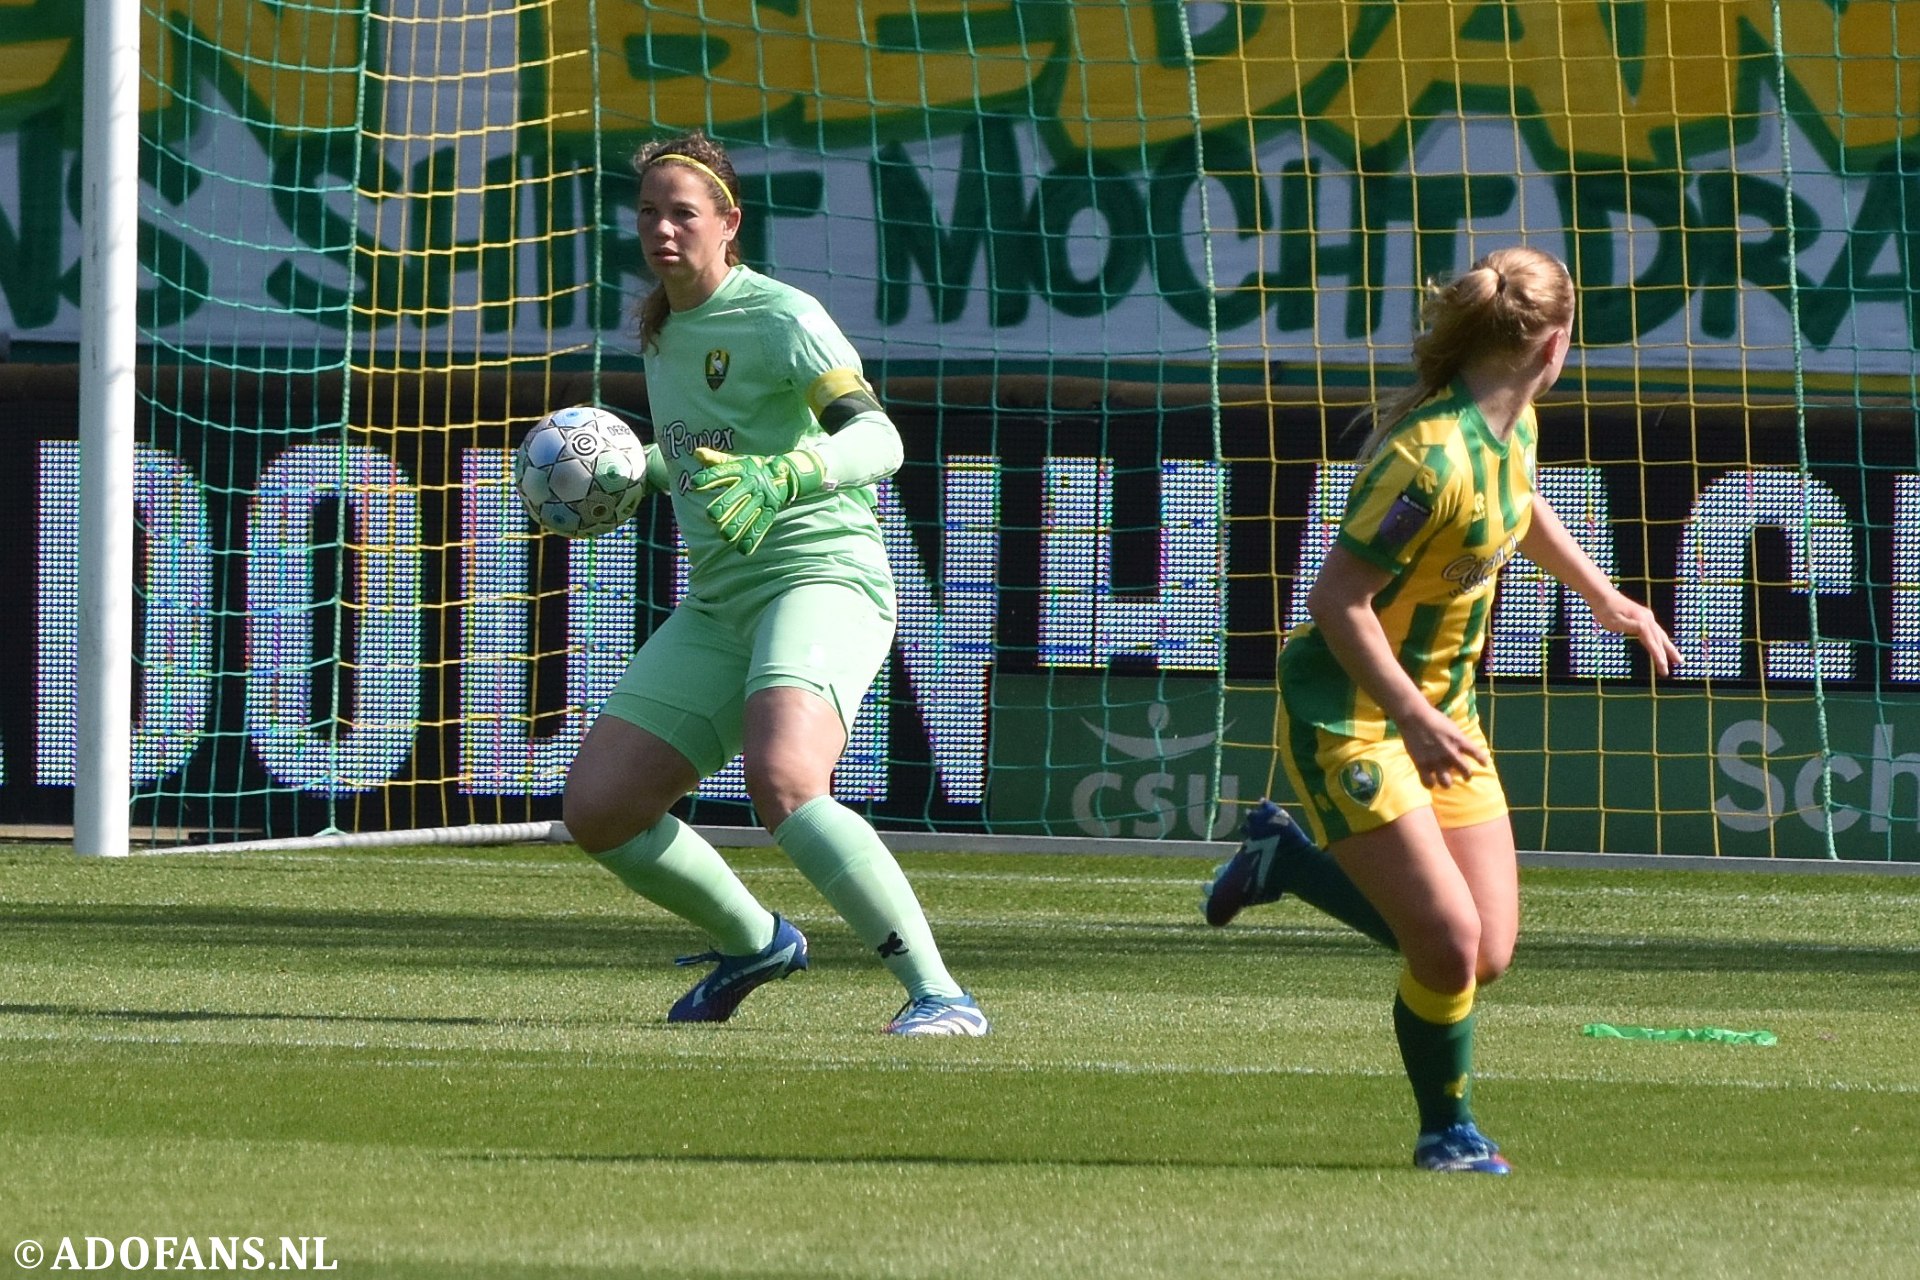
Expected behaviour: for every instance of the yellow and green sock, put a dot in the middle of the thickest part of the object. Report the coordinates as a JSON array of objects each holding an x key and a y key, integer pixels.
[{"x": 1435, "y": 1031}]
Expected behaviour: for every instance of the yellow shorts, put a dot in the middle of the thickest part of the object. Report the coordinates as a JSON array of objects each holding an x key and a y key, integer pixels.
[{"x": 1351, "y": 785}]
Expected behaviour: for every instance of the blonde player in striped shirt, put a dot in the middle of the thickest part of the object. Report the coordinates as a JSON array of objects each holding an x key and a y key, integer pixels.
[{"x": 1378, "y": 730}]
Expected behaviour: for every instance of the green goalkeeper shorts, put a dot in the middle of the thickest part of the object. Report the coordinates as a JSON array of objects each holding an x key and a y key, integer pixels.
[{"x": 690, "y": 680}]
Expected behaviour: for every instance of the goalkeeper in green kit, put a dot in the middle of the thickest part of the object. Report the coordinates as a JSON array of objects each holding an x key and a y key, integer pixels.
[{"x": 769, "y": 440}]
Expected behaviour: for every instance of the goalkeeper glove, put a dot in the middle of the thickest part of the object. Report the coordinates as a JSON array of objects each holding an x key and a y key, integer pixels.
[{"x": 752, "y": 489}]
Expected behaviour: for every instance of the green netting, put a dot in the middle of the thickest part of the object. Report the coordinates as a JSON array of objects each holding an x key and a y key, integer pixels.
[{"x": 1123, "y": 272}]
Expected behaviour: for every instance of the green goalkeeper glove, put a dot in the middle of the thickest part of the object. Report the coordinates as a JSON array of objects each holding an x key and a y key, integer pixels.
[{"x": 753, "y": 488}]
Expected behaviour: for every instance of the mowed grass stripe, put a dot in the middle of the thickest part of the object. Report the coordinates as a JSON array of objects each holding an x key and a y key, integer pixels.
[
  {"x": 332, "y": 1093},
  {"x": 695, "y": 1216},
  {"x": 456, "y": 1067},
  {"x": 57, "y": 1048}
]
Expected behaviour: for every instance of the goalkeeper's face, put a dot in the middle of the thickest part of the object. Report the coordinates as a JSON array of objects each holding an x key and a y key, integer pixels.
[{"x": 684, "y": 231}]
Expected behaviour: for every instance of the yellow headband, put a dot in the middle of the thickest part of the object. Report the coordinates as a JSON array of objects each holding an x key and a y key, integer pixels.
[{"x": 690, "y": 162}]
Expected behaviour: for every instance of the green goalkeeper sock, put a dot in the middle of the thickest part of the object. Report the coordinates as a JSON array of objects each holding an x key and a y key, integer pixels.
[
  {"x": 671, "y": 865},
  {"x": 1435, "y": 1032},
  {"x": 842, "y": 856}
]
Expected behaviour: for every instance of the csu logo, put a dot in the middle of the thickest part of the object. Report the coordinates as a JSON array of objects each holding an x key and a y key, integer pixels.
[
  {"x": 1146, "y": 799},
  {"x": 717, "y": 362}
]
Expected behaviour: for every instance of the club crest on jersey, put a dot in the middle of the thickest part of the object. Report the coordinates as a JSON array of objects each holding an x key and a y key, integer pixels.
[
  {"x": 717, "y": 362},
  {"x": 1361, "y": 781}
]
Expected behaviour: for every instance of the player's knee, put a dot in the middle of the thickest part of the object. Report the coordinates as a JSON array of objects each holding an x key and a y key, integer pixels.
[
  {"x": 1494, "y": 960},
  {"x": 599, "y": 819},
  {"x": 777, "y": 787},
  {"x": 1450, "y": 972},
  {"x": 1445, "y": 958},
  {"x": 593, "y": 826},
  {"x": 776, "y": 798}
]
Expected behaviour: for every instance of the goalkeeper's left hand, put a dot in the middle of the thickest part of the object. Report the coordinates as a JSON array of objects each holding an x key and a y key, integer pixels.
[{"x": 753, "y": 488}]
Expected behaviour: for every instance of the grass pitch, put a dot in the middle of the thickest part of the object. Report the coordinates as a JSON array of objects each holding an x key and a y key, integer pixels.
[{"x": 456, "y": 1066}]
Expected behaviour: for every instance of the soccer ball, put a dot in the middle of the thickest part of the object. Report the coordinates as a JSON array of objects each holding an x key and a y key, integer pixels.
[{"x": 580, "y": 472}]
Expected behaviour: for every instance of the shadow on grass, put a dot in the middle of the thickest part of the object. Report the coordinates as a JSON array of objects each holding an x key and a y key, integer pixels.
[
  {"x": 230, "y": 1015},
  {"x": 497, "y": 942},
  {"x": 882, "y": 1159},
  {"x": 1611, "y": 953},
  {"x": 537, "y": 943}
]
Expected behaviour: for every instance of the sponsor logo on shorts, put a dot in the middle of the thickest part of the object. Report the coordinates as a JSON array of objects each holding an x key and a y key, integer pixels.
[{"x": 1361, "y": 781}]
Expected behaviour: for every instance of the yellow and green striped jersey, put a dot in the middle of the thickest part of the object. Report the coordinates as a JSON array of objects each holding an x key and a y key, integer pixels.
[{"x": 1442, "y": 506}]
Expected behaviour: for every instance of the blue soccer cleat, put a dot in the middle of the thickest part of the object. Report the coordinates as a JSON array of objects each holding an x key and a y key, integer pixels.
[
  {"x": 939, "y": 1016},
  {"x": 716, "y": 996},
  {"x": 1459, "y": 1148},
  {"x": 1253, "y": 875}
]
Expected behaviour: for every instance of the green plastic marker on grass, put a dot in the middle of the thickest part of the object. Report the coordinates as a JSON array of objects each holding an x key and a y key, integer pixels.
[{"x": 1720, "y": 1035}]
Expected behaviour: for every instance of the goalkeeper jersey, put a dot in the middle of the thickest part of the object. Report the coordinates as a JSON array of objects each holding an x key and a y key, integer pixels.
[
  {"x": 744, "y": 372},
  {"x": 1442, "y": 506}
]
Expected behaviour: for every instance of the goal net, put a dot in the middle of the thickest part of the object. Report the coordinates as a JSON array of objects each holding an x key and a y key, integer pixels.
[{"x": 1122, "y": 272}]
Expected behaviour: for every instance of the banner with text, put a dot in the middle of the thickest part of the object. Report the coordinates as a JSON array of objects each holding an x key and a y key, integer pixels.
[
  {"x": 1028, "y": 182},
  {"x": 1128, "y": 757}
]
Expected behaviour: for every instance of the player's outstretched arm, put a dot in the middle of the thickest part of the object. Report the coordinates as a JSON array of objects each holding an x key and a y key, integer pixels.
[{"x": 1549, "y": 545}]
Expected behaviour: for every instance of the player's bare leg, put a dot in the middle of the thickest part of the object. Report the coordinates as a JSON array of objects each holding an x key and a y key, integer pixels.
[{"x": 1407, "y": 869}]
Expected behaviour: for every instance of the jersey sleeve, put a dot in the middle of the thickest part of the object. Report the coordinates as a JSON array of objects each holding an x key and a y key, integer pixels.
[
  {"x": 818, "y": 360},
  {"x": 1397, "y": 502},
  {"x": 857, "y": 442}
]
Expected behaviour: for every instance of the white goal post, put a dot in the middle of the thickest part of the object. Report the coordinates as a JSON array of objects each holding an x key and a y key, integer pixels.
[{"x": 109, "y": 278}]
